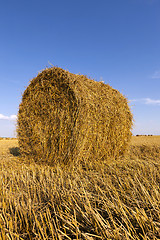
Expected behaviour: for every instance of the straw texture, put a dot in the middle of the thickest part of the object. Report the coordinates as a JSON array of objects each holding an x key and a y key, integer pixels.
[{"x": 68, "y": 117}]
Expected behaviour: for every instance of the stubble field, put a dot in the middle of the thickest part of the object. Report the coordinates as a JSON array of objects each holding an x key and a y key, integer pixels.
[{"x": 116, "y": 199}]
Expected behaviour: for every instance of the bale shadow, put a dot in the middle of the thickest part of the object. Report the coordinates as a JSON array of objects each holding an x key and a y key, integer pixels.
[{"x": 15, "y": 151}]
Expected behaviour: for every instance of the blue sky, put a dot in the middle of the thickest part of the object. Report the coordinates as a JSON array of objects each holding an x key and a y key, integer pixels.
[{"x": 110, "y": 40}]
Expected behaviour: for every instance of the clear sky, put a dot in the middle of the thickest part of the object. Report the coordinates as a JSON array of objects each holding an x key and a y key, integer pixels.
[{"x": 117, "y": 41}]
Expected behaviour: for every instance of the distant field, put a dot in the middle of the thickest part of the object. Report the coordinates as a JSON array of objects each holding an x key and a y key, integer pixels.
[
  {"x": 146, "y": 140},
  {"x": 6, "y": 144},
  {"x": 112, "y": 200}
]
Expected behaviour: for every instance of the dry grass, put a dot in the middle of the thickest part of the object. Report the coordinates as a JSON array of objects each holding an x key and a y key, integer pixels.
[
  {"x": 146, "y": 140},
  {"x": 115, "y": 200},
  {"x": 67, "y": 117}
]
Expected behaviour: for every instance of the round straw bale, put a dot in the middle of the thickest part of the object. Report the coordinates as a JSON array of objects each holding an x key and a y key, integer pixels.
[{"x": 65, "y": 116}]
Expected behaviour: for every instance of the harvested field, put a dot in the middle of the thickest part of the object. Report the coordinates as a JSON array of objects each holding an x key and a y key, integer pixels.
[
  {"x": 146, "y": 140},
  {"x": 117, "y": 200}
]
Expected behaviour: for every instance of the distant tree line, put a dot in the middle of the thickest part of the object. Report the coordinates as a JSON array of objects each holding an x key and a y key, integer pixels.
[{"x": 149, "y": 135}]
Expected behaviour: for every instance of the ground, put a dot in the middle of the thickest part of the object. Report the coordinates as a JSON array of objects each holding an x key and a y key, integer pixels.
[{"x": 118, "y": 199}]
